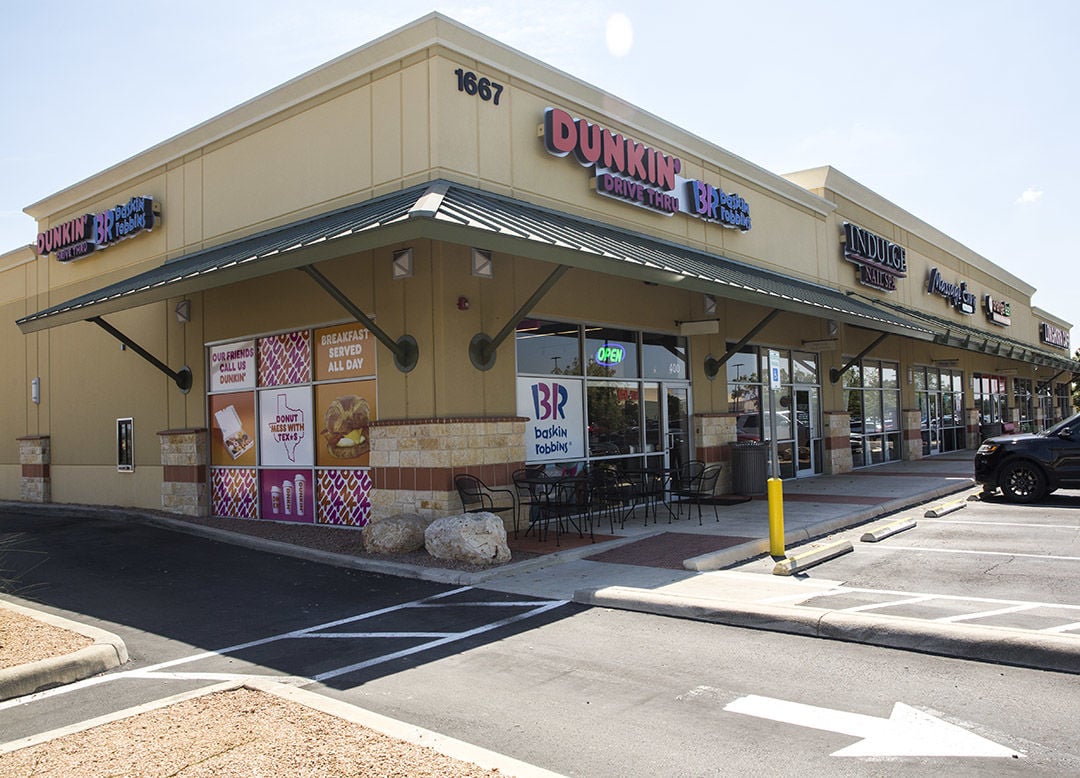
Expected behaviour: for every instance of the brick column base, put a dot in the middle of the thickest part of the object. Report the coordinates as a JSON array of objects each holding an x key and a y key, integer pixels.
[
  {"x": 184, "y": 487},
  {"x": 713, "y": 435},
  {"x": 35, "y": 455},
  {"x": 972, "y": 438},
  {"x": 837, "y": 439},
  {"x": 913, "y": 442}
]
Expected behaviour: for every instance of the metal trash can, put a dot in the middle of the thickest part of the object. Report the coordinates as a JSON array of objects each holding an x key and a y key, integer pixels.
[
  {"x": 991, "y": 430},
  {"x": 749, "y": 467}
]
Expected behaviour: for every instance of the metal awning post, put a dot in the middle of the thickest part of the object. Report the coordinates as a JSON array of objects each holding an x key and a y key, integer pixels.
[
  {"x": 405, "y": 350},
  {"x": 712, "y": 366},
  {"x": 482, "y": 348},
  {"x": 834, "y": 374},
  {"x": 181, "y": 377}
]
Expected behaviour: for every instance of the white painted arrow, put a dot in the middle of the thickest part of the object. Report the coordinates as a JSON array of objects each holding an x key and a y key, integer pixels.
[{"x": 907, "y": 732}]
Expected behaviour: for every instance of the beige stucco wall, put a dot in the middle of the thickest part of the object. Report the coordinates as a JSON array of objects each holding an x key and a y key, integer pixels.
[{"x": 375, "y": 121}]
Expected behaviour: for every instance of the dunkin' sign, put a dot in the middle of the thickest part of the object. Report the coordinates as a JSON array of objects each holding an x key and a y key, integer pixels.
[
  {"x": 83, "y": 235},
  {"x": 638, "y": 174}
]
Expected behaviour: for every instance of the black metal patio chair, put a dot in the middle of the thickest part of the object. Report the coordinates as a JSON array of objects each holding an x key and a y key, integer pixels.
[{"x": 699, "y": 490}]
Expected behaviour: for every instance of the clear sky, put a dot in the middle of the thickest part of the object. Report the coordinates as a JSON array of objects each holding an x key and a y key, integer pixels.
[{"x": 963, "y": 112}]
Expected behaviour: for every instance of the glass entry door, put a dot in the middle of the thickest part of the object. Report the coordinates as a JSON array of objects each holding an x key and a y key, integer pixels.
[
  {"x": 677, "y": 425},
  {"x": 930, "y": 410},
  {"x": 806, "y": 433}
]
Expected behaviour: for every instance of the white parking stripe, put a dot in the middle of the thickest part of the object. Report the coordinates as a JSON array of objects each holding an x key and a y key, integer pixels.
[
  {"x": 1063, "y": 628},
  {"x": 999, "y": 524},
  {"x": 889, "y": 604},
  {"x": 435, "y": 643},
  {"x": 965, "y": 598},
  {"x": 366, "y": 635},
  {"x": 984, "y": 614},
  {"x": 535, "y": 607},
  {"x": 970, "y": 551}
]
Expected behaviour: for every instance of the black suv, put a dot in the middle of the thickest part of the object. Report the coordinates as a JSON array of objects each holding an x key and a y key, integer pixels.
[{"x": 1028, "y": 467}]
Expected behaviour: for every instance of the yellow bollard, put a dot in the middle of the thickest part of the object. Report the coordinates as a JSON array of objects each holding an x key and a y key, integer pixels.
[{"x": 776, "y": 517}]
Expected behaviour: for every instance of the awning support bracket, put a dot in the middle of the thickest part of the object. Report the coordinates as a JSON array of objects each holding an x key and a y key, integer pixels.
[
  {"x": 182, "y": 377},
  {"x": 713, "y": 365},
  {"x": 483, "y": 348},
  {"x": 405, "y": 349},
  {"x": 834, "y": 373}
]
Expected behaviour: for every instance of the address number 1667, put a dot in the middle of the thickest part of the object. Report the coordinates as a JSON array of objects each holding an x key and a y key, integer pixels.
[{"x": 484, "y": 88}]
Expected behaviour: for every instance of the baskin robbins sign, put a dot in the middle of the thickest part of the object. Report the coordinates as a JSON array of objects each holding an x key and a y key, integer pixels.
[
  {"x": 85, "y": 234},
  {"x": 637, "y": 174}
]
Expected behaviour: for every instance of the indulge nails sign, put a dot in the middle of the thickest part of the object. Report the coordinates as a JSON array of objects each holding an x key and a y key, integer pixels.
[
  {"x": 85, "y": 234},
  {"x": 880, "y": 262},
  {"x": 637, "y": 174}
]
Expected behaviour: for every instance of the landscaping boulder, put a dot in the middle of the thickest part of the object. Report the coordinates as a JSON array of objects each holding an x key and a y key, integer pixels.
[
  {"x": 471, "y": 538},
  {"x": 401, "y": 534}
]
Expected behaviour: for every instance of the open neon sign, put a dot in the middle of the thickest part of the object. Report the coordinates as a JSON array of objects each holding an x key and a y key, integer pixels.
[{"x": 610, "y": 354}]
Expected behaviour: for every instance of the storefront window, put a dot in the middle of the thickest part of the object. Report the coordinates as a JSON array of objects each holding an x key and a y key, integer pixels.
[
  {"x": 1024, "y": 401},
  {"x": 1063, "y": 399},
  {"x": 607, "y": 412},
  {"x": 872, "y": 399},
  {"x": 797, "y": 406},
  {"x": 548, "y": 348},
  {"x": 744, "y": 395},
  {"x": 663, "y": 357},
  {"x": 940, "y": 399},
  {"x": 992, "y": 402},
  {"x": 614, "y": 409},
  {"x": 611, "y": 353}
]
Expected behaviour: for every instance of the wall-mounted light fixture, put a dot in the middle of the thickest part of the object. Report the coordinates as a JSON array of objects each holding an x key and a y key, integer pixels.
[
  {"x": 482, "y": 266},
  {"x": 35, "y": 391},
  {"x": 710, "y": 305},
  {"x": 910, "y": 376},
  {"x": 403, "y": 264},
  {"x": 833, "y": 328},
  {"x": 183, "y": 311}
]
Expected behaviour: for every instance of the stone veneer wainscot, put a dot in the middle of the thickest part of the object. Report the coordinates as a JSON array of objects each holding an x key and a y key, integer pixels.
[{"x": 414, "y": 461}]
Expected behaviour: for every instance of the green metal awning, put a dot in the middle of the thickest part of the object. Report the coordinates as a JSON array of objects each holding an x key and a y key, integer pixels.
[
  {"x": 459, "y": 214},
  {"x": 962, "y": 336}
]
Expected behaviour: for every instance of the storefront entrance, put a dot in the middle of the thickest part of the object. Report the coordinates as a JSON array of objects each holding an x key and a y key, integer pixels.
[
  {"x": 597, "y": 394},
  {"x": 795, "y": 407}
]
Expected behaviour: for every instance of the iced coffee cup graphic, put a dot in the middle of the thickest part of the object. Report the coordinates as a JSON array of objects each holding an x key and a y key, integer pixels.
[
  {"x": 275, "y": 499},
  {"x": 236, "y": 439},
  {"x": 300, "y": 487},
  {"x": 287, "y": 496}
]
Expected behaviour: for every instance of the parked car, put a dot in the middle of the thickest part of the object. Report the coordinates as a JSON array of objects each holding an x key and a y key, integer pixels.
[{"x": 1027, "y": 467}]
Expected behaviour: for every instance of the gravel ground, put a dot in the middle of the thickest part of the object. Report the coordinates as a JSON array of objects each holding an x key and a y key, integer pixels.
[
  {"x": 24, "y": 639},
  {"x": 241, "y": 732}
]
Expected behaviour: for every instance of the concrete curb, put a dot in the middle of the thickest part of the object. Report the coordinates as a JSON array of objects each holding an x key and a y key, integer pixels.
[
  {"x": 727, "y": 557},
  {"x": 965, "y": 641},
  {"x": 888, "y": 530},
  {"x": 108, "y": 651},
  {"x": 793, "y": 564}
]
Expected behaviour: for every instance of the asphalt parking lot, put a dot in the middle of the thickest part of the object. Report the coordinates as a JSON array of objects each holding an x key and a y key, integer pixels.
[{"x": 989, "y": 562}]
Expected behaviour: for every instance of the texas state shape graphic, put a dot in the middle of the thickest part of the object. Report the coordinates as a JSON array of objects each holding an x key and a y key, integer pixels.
[{"x": 288, "y": 427}]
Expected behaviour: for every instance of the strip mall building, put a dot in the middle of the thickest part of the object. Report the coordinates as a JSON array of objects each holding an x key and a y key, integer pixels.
[{"x": 436, "y": 255}]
